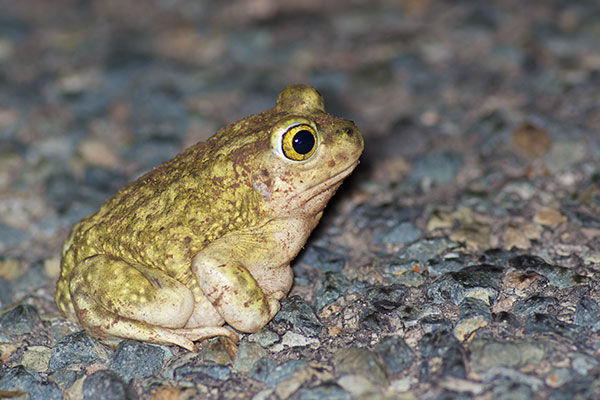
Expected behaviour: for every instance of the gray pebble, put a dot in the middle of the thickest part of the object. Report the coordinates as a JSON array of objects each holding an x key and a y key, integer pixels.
[
  {"x": 158, "y": 113},
  {"x": 480, "y": 281},
  {"x": 20, "y": 320},
  {"x": 386, "y": 298},
  {"x": 136, "y": 360},
  {"x": 533, "y": 304},
  {"x": 104, "y": 385},
  {"x": 583, "y": 364},
  {"x": 487, "y": 353},
  {"x": 11, "y": 236},
  {"x": 248, "y": 354},
  {"x": 512, "y": 391},
  {"x": 426, "y": 249},
  {"x": 5, "y": 293},
  {"x": 261, "y": 369},
  {"x": 296, "y": 312},
  {"x": 395, "y": 353},
  {"x": 75, "y": 348},
  {"x": 283, "y": 372},
  {"x": 514, "y": 376},
  {"x": 322, "y": 259},
  {"x": 436, "y": 324},
  {"x": 474, "y": 314},
  {"x": 64, "y": 378},
  {"x": 265, "y": 337},
  {"x": 33, "y": 277},
  {"x": 102, "y": 179},
  {"x": 327, "y": 390},
  {"x": 582, "y": 387},
  {"x": 403, "y": 233},
  {"x": 199, "y": 373},
  {"x": 558, "y": 276},
  {"x": 21, "y": 379},
  {"x": 383, "y": 299},
  {"x": 410, "y": 279},
  {"x": 547, "y": 323},
  {"x": 369, "y": 216},
  {"x": 331, "y": 287},
  {"x": 438, "y": 168},
  {"x": 587, "y": 314},
  {"x": 439, "y": 267},
  {"x": 360, "y": 361},
  {"x": 441, "y": 345}
]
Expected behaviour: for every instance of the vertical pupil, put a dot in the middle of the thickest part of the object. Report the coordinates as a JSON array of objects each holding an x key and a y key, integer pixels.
[{"x": 303, "y": 141}]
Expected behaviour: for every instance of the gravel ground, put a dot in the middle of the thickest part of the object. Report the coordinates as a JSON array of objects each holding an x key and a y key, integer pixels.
[{"x": 460, "y": 260}]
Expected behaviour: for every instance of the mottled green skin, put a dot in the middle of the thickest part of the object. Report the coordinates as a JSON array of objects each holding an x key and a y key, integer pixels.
[{"x": 207, "y": 237}]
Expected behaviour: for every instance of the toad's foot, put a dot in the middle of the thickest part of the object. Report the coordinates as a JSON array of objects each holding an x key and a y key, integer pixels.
[{"x": 184, "y": 337}]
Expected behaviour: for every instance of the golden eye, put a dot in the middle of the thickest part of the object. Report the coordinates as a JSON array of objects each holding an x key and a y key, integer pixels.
[{"x": 299, "y": 142}]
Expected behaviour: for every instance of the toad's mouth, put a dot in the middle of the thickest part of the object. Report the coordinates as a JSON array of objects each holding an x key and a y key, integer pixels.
[
  {"x": 329, "y": 182},
  {"x": 323, "y": 190}
]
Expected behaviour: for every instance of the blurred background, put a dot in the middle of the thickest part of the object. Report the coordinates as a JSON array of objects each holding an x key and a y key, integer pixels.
[{"x": 481, "y": 133}]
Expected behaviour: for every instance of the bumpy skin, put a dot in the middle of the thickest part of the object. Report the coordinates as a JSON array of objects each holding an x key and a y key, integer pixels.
[{"x": 207, "y": 237}]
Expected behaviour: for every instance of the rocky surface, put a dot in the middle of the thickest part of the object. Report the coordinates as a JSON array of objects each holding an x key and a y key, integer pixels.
[{"x": 461, "y": 259}]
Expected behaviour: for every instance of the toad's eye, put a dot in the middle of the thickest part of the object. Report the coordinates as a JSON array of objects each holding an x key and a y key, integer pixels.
[{"x": 299, "y": 142}]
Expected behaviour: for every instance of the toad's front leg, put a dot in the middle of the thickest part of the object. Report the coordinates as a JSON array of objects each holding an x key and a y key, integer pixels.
[{"x": 232, "y": 289}]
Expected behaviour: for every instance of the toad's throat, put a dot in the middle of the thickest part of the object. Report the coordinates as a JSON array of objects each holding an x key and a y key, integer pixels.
[
  {"x": 315, "y": 197},
  {"x": 324, "y": 186}
]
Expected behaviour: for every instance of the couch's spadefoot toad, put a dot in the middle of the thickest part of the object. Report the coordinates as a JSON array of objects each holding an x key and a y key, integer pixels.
[{"x": 207, "y": 237}]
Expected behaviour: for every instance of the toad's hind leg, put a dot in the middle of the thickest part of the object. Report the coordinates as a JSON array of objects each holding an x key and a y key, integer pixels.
[{"x": 113, "y": 298}]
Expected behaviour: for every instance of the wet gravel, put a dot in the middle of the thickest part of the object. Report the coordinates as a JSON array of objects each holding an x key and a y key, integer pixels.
[{"x": 460, "y": 260}]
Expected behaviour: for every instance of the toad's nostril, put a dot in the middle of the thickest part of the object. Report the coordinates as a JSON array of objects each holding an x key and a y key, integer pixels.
[{"x": 349, "y": 131}]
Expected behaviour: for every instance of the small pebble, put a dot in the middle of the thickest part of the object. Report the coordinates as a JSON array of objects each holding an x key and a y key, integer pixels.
[
  {"x": 331, "y": 287},
  {"x": 425, "y": 249},
  {"x": 512, "y": 391},
  {"x": 20, "y": 320},
  {"x": 549, "y": 217},
  {"x": 261, "y": 369},
  {"x": 395, "y": 353},
  {"x": 21, "y": 379},
  {"x": 265, "y": 337},
  {"x": 136, "y": 360},
  {"x": 248, "y": 354},
  {"x": 441, "y": 347},
  {"x": 322, "y": 259},
  {"x": 72, "y": 349},
  {"x": 439, "y": 168},
  {"x": 11, "y": 237},
  {"x": 36, "y": 358},
  {"x": 403, "y": 233},
  {"x": 487, "y": 353},
  {"x": 474, "y": 314},
  {"x": 293, "y": 339},
  {"x": 533, "y": 304},
  {"x": 104, "y": 385},
  {"x": 481, "y": 282},
  {"x": 363, "y": 362},
  {"x": 296, "y": 312},
  {"x": 530, "y": 141},
  {"x": 200, "y": 373},
  {"x": 330, "y": 391},
  {"x": 559, "y": 376}
]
